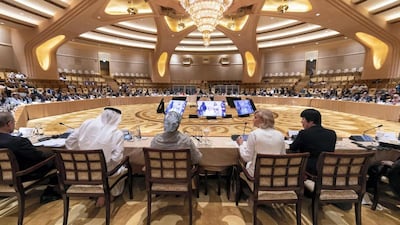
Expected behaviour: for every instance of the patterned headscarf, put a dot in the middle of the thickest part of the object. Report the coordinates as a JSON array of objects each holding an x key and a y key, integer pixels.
[{"x": 172, "y": 121}]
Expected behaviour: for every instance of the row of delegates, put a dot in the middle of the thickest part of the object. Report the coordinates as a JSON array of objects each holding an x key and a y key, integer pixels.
[
  {"x": 102, "y": 133},
  {"x": 266, "y": 140},
  {"x": 27, "y": 155}
]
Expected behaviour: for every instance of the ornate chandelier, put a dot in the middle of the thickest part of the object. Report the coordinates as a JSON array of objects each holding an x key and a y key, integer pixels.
[{"x": 206, "y": 14}]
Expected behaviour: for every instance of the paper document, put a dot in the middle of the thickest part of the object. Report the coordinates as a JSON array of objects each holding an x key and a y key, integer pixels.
[{"x": 57, "y": 142}]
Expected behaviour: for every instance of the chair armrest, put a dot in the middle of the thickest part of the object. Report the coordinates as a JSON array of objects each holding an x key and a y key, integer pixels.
[
  {"x": 242, "y": 167},
  {"x": 310, "y": 176},
  {"x": 36, "y": 166},
  {"x": 195, "y": 169},
  {"x": 116, "y": 168}
]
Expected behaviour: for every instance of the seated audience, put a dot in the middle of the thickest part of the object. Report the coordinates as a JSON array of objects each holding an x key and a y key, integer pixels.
[
  {"x": 264, "y": 139},
  {"x": 27, "y": 155},
  {"x": 171, "y": 138},
  {"x": 102, "y": 133}
]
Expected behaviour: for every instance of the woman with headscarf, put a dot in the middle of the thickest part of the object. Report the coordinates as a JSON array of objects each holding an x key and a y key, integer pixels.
[
  {"x": 264, "y": 140},
  {"x": 174, "y": 139},
  {"x": 102, "y": 133}
]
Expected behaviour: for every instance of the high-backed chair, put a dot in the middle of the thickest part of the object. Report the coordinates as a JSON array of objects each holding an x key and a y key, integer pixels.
[
  {"x": 277, "y": 179},
  {"x": 10, "y": 179},
  {"x": 83, "y": 173},
  {"x": 169, "y": 172},
  {"x": 341, "y": 178},
  {"x": 388, "y": 176}
]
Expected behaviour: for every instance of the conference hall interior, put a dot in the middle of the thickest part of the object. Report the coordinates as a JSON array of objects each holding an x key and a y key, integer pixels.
[{"x": 63, "y": 61}]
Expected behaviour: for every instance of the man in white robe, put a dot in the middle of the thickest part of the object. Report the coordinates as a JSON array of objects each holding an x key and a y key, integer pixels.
[{"x": 102, "y": 133}]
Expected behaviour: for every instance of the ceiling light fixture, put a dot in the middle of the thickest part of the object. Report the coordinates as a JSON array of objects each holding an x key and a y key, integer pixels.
[
  {"x": 131, "y": 10},
  {"x": 284, "y": 6},
  {"x": 206, "y": 14}
]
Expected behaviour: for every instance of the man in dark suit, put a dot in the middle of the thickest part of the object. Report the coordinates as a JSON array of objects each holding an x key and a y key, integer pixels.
[
  {"x": 26, "y": 154},
  {"x": 313, "y": 139}
]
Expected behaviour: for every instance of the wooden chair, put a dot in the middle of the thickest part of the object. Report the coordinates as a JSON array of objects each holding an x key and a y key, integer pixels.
[
  {"x": 341, "y": 178},
  {"x": 277, "y": 179},
  {"x": 11, "y": 183},
  {"x": 83, "y": 173},
  {"x": 169, "y": 172},
  {"x": 387, "y": 177}
]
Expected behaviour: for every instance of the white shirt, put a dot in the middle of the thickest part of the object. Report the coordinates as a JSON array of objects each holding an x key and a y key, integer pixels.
[{"x": 263, "y": 141}]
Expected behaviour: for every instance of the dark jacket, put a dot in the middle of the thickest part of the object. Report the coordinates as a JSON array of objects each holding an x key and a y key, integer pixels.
[
  {"x": 314, "y": 140},
  {"x": 27, "y": 155}
]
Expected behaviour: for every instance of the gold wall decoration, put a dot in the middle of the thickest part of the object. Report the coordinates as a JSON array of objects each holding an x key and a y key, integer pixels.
[
  {"x": 162, "y": 63},
  {"x": 379, "y": 48},
  {"x": 250, "y": 63},
  {"x": 43, "y": 51}
]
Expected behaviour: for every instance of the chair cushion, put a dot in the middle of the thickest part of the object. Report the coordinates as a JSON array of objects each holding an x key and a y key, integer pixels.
[
  {"x": 5, "y": 188},
  {"x": 74, "y": 189},
  {"x": 338, "y": 195},
  {"x": 169, "y": 187},
  {"x": 276, "y": 195}
]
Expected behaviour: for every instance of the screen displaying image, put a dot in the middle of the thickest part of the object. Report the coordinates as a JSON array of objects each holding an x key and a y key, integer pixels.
[
  {"x": 243, "y": 107},
  {"x": 211, "y": 108},
  {"x": 177, "y": 106}
]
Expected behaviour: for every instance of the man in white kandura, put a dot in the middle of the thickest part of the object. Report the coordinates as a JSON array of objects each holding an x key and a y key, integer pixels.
[{"x": 102, "y": 133}]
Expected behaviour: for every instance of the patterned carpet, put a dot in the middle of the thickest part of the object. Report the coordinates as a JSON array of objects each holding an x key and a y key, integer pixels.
[{"x": 150, "y": 122}]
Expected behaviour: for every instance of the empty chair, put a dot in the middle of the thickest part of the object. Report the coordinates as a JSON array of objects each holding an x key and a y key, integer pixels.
[
  {"x": 277, "y": 179},
  {"x": 11, "y": 183},
  {"x": 83, "y": 173},
  {"x": 169, "y": 172},
  {"x": 341, "y": 178}
]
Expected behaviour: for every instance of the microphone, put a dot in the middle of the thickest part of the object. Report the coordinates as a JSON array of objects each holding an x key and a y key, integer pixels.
[
  {"x": 197, "y": 138},
  {"x": 244, "y": 129},
  {"x": 365, "y": 131},
  {"x": 66, "y": 125},
  {"x": 235, "y": 136}
]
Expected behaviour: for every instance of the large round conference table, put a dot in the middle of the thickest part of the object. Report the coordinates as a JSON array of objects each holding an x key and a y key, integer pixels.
[{"x": 220, "y": 152}]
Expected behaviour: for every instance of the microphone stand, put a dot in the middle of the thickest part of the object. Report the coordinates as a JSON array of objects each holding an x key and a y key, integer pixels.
[{"x": 372, "y": 129}]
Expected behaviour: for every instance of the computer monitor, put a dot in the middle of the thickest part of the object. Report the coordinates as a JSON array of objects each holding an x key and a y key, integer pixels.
[
  {"x": 243, "y": 107},
  {"x": 230, "y": 99},
  {"x": 181, "y": 98},
  {"x": 177, "y": 106},
  {"x": 211, "y": 108}
]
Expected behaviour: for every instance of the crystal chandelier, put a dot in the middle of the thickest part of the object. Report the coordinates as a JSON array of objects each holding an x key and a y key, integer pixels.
[{"x": 206, "y": 14}]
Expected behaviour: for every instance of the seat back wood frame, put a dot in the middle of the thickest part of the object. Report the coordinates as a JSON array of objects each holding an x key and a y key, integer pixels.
[
  {"x": 11, "y": 183},
  {"x": 276, "y": 175},
  {"x": 341, "y": 178},
  {"x": 169, "y": 172},
  {"x": 89, "y": 168}
]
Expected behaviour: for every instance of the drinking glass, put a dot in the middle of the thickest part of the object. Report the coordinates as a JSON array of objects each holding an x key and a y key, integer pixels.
[{"x": 206, "y": 132}]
